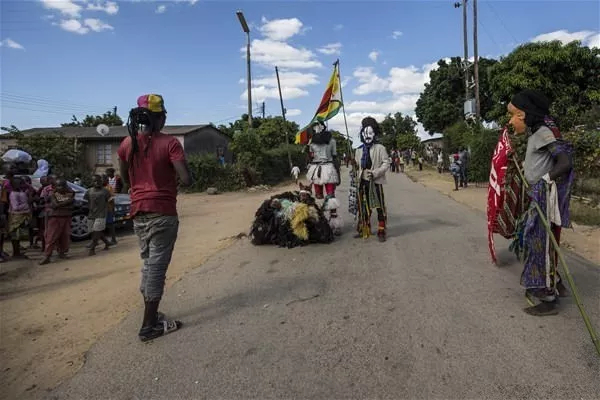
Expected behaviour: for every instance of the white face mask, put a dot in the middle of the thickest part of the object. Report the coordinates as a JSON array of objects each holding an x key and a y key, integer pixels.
[{"x": 368, "y": 135}]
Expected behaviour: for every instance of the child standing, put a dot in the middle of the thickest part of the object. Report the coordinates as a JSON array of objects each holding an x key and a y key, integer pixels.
[
  {"x": 110, "y": 215},
  {"x": 97, "y": 197},
  {"x": 58, "y": 229},
  {"x": 455, "y": 171},
  {"x": 19, "y": 215}
]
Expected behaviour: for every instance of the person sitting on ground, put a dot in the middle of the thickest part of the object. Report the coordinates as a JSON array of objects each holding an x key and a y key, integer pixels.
[{"x": 97, "y": 197}]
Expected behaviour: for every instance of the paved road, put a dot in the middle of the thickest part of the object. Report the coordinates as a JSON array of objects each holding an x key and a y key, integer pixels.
[{"x": 424, "y": 315}]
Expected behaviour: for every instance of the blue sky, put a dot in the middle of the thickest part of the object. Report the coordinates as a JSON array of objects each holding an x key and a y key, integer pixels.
[{"x": 64, "y": 57}]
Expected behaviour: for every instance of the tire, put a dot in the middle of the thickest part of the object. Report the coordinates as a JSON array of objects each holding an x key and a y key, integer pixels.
[{"x": 79, "y": 227}]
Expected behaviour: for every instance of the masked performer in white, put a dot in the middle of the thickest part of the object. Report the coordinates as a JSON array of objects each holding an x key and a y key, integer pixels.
[
  {"x": 323, "y": 171},
  {"x": 371, "y": 162}
]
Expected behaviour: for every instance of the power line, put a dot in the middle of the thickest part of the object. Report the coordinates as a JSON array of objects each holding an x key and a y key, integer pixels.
[
  {"x": 46, "y": 100},
  {"x": 501, "y": 21}
]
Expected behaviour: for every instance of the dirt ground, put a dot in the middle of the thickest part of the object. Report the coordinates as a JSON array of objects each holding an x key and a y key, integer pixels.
[
  {"x": 51, "y": 315},
  {"x": 583, "y": 240}
]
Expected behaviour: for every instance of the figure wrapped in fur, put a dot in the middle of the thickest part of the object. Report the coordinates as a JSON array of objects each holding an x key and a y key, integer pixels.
[
  {"x": 324, "y": 171},
  {"x": 370, "y": 165},
  {"x": 290, "y": 219}
]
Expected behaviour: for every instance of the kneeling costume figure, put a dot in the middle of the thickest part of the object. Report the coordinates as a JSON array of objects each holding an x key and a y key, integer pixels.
[
  {"x": 371, "y": 162},
  {"x": 323, "y": 172}
]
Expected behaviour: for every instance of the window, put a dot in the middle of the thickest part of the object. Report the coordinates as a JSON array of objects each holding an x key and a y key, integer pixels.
[{"x": 104, "y": 154}]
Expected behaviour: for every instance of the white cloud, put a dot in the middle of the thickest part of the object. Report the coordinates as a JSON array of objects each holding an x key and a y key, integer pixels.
[
  {"x": 161, "y": 9},
  {"x": 403, "y": 103},
  {"x": 330, "y": 49},
  {"x": 11, "y": 44},
  {"x": 593, "y": 41},
  {"x": 275, "y": 53},
  {"x": 369, "y": 82},
  {"x": 287, "y": 79},
  {"x": 294, "y": 112},
  {"x": 396, "y": 34},
  {"x": 338, "y": 27},
  {"x": 66, "y": 7},
  {"x": 373, "y": 55},
  {"x": 563, "y": 36},
  {"x": 401, "y": 80},
  {"x": 109, "y": 7},
  {"x": 261, "y": 93},
  {"x": 280, "y": 29},
  {"x": 73, "y": 25},
  {"x": 96, "y": 25},
  {"x": 292, "y": 86}
]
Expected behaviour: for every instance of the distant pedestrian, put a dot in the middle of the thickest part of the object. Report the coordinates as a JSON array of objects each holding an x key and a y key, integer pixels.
[
  {"x": 421, "y": 161},
  {"x": 97, "y": 197},
  {"x": 58, "y": 229},
  {"x": 152, "y": 162},
  {"x": 296, "y": 173},
  {"x": 455, "y": 171}
]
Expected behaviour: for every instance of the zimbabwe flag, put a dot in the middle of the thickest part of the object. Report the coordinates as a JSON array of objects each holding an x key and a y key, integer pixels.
[{"x": 330, "y": 104}]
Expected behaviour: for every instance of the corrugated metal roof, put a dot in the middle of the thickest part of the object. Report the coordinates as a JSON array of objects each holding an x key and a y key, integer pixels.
[{"x": 114, "y": 131}]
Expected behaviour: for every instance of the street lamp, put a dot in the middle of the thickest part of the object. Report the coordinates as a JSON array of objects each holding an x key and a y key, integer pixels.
[{"x": 246, "y": 29}]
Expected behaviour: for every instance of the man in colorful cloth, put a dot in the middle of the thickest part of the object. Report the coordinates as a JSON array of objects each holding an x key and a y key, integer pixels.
[
  {"x": 324, "y": 171},
  {"x": 548, "y": 170},
  {"x": 371, "y": 163},
  {"x": 151, "y": 162}
]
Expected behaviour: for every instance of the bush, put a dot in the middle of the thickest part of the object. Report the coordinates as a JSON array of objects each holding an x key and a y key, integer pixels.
[
  {"x": 268, "y": 167},
  {"x": 482, "y": 145},
  {"x": 208, "y": 173}
]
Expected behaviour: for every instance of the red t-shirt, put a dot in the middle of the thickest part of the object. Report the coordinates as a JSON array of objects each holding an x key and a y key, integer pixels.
[{"x": 152, "y": 175}]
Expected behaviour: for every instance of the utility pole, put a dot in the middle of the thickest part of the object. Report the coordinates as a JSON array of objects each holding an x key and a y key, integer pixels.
[
  {"x": 115, "y": 110},
  {"x": 466, "y": 49},
  {"x": 246, "y": 30},
  {"x": 263, "y": 109},
  {"x": 476, "y": 57},
  {"x": 287, "y": 137}
]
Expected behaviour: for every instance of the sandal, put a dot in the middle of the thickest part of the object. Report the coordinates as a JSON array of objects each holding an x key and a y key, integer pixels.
[{"x": 161, "y": 328}]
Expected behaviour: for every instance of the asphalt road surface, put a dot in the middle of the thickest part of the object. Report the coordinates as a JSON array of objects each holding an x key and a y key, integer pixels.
[{"x": 423, "y": 316}]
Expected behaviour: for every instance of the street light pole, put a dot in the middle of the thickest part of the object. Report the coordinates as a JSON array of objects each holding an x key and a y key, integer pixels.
[{"x": 246, "y": 30}]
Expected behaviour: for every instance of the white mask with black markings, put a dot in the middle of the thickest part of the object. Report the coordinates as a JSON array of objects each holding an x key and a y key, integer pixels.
[{"x": 368, "y": 135}]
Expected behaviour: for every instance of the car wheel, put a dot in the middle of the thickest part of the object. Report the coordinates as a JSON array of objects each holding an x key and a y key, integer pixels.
[{"x": 79, "y": 227}]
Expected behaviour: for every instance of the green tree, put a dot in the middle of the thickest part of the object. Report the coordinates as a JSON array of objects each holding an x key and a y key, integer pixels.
[
  {"x": 108, "y": 118},
  {"x": 399, "y": 131},
  {"x": 273, "y": 131},
  {"x": 568, "y": 74},
  {"x": 342, "y": 143},
  {"x": 441, "y": 104},
  {"x": 65, "y": 154}
]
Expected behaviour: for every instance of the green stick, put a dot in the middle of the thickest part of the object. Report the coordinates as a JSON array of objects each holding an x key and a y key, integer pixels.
[{"x": 567, "y": 272}]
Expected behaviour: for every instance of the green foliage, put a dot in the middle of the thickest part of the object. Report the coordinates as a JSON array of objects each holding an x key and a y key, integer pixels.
[
  {"x": 482, "y": 145},
  {"x": 399, "y": 131},
  {"x": 108, "y": 118},
  {"x": 457, "y": 136},
  {"x": 441, "y": 104},
  {"x": 587, "y": 152},
  {"x": 568, "y": 74},
  {"x": 65, "y": 154},
  {"x": 11, "y": 131},
  {"x": 342, "y": 143},
  {"x": 208, "y": 172},
  {"x": 271, "y": 130}
]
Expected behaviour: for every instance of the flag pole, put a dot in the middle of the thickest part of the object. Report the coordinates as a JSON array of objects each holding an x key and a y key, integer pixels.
[
  {"x": 287, "y": 139},
  {"x": 343, "y": 105}
]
